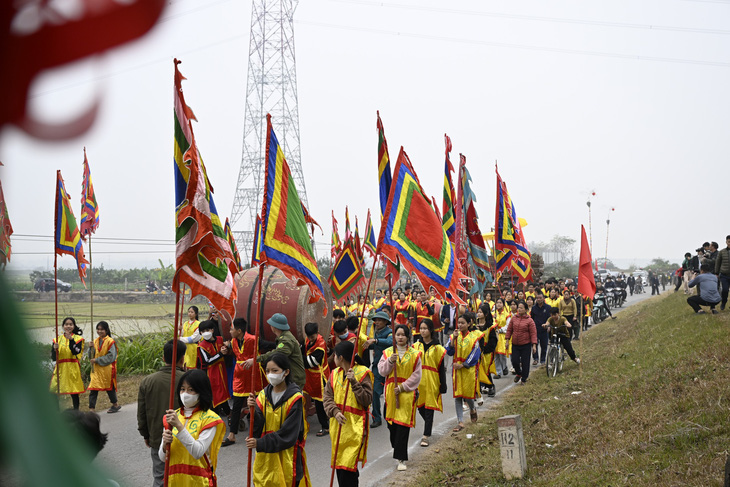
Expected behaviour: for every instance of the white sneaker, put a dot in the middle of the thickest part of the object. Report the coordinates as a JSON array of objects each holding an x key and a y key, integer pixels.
[
  {"x": 480, "y": 402},
  {"x": 401, "y": 465},
  {"x": 577, "y": 360},
  {"x": 465, "y": 406}
]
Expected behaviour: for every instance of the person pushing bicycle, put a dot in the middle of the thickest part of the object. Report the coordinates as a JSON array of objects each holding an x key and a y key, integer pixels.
[{"x": 559, "y": 326}]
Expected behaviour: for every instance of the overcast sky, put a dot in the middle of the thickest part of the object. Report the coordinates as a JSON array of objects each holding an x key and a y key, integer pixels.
[{"x": 628, "y": 99}]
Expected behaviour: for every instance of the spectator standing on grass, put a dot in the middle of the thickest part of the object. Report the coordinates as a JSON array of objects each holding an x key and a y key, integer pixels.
[
  {"x": 522, "y": 331},
  {"x": 708, "y": 294},
  {"x": 103, "y": 357},
  {"x": 722, "y": 269},
  {"x": 694, "y": 263},
  {"x": 152, "y": 402},
  {"x": 712, "y": 257},
  {"x": 66, "y": 351}
]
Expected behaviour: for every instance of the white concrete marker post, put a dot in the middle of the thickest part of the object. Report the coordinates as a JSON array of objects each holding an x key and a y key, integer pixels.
[{"x": 512, "y": 445}]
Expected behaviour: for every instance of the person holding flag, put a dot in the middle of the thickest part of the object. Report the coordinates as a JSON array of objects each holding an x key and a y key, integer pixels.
[{"x": 66, "y": 352}]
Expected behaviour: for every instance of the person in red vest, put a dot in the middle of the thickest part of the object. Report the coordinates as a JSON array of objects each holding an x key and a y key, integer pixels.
[
  {"x": 211, "y": 350},
  {"x": 317, "y": 371}
]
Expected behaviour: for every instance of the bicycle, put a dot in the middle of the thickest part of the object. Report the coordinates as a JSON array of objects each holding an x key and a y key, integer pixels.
[{"x": 555, "y": 356}]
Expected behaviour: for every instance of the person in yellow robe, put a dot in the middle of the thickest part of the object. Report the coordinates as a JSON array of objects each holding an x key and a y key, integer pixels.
[
  {"x": 193, "y": 434},
  {"x": 350, "y": 413},
  {"x": 488, "y": 343},
  {"x": 501, "y": 353},
  {"x": 66, "y": 351},
  {"x": 433, "y": 377},
  {"x": 191, "y": 337},
  {"x": 103, "y": 358},
  {"x": 464, "y": 347},
  {"x": 279, "y": 429},
  {"x": 401, "y": 367}
]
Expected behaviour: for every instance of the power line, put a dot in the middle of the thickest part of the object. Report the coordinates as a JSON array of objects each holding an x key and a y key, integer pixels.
[
  {"x": 106, "y": 252},
  {"x": 597, "y": 23},
  {"x": 101, "y": 238},
  {"x": 519, "y": 46}
]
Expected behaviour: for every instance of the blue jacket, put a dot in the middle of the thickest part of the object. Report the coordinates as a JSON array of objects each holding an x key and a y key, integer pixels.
[
  {"x": 540, "y": 315},
  {"x": 383, "y": 340}
]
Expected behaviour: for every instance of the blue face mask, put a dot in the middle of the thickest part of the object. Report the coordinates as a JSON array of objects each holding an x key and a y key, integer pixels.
[{"x": 342, "y": 337}]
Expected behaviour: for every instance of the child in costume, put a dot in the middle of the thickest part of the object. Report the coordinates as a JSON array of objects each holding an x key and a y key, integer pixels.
[
  {"x": 66, "y": 352},
  {"x": 433, "y": 377},
  {"x": 103, "y": 357}
]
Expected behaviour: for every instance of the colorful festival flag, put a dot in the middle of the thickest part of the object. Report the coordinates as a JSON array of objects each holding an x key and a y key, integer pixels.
[
  {"x": 234, "y": 249},
  {"x": 6, "y": 229},
  {"x": 369, "y": 243},
  {"x": 336, "y": 244},
  {"x": 448, "y": 206},
  {"x": 67, "y": 237},
  {"x": 412, "y": 231},
  {"x": 285, "y": 242},
  {"x": 89, "y": 207},
  {"x": 203, "y": 257},
  {"x": 358, "y": 244},
  {"x": 385, "y": 177},
  {"x": 508, "y": 233},
  {"x": 348, "y": 234},
  {"x": 586, "y": 279},
  {"x": 310, "y": 221},
  {"x": 478, "y": 256},
  {"x": 256, "y": 253},
  {"x": 347, "y": 275}
]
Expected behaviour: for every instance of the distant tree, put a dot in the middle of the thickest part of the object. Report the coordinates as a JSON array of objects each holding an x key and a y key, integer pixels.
[{"x": 661, "y": 265}]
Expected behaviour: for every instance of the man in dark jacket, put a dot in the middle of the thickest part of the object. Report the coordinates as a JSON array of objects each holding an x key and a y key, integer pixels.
[
  {"x": 152, "y": 402},
  {"x": 383, "y": 339},
  {"x": 540, "y": 313},
  {"x": 722, "y": 269},
  {"x": 288, "y": 345}
]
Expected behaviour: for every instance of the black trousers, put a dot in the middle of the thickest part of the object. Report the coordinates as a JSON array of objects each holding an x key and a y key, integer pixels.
[
  {"x": 321, "y": 415},
  {"x": 565, "y": 341},
  {"x": 725, "y": 286},
  {"x": 234, "y": 420},
  {"x": 93, "y": 395},
  {"x": 521, "y": 360},
  {"x": 75, "y": 401},
  {"x": 575, "y": 329},
  {"x": 427, "y": 415},
  {"x": 542, "y": 343},
  {"x": 399, "y": 440},
  {"x": 695, "y": 301},
  {"x": 346, "y": 478}
]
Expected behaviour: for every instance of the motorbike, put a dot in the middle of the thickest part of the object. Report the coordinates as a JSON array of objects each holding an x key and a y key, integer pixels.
[
  {"x": 151, "y": 287},
  {"x": 599, "y": 308}
]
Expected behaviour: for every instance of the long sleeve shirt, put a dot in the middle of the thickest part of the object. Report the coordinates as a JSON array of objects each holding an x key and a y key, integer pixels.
[
  {"x": 106, "y": 359},
  {"x": 471, "y": 360},
  {"x": 196, "y": 448},
  {"x": 522, "y": 330},
  {"x": 385, "y": 367},
  {"x": 363, "y": 392}
]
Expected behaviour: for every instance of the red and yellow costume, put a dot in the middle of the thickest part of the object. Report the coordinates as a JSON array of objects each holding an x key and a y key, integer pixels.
[
  {"x": 465, "y": 380},
  {"x": 402, "y": 309},
  {"x": 500, "y": 318},
  {"x": 429, "y": 389},
  {"x": 67, "y": 367},
  {"x": 191, "y": 352},
  {"x": 356, "y": 430},
  {"x": 316, "y": 376},
  {"x": 216, "y": 371},
  {"x": 242, "y": 377},
  {"x": 185, "y": 470},
  {"x": 405, "y": 414},
  {"x": 103, "y": 378}
]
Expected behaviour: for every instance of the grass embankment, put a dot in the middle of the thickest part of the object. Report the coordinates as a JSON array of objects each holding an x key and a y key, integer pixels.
[
  {"x": 654, "y": 410},
  {"x": 37, "y": 314}
]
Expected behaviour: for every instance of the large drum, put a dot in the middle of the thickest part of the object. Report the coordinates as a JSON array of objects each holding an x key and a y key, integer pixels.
[{"x": 279, "y": 295}]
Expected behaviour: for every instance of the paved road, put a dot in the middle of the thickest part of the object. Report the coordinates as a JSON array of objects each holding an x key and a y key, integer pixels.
[{"x": 128, "y": 460}]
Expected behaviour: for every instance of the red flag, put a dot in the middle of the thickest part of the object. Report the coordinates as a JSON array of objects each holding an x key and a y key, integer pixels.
[{"x": 586, "y": 281}]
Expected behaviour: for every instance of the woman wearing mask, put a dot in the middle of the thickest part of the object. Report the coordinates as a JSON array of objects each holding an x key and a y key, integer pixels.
[
  {"x": 433, "y": 377},
  {"x": 211, "y": 350},
  {"x": 356, "y": 383},
  {"x": 191, "y": 336},
  {"x": 66, "y": 352},
  {"x": 192, "y": 434},
  {"x": 103, "y": 356},
  {"x": 279, "y": 430},
  {"x": 404, "y": 363}
]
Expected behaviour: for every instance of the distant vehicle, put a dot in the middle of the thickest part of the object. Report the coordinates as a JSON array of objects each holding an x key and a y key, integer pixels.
[{"x": 45, "y": 284}]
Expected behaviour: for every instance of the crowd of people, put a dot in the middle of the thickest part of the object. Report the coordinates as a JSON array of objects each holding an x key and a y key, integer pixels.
[
  {"x": 709, "y": 271},
  {"x": 382, "y": 361}
]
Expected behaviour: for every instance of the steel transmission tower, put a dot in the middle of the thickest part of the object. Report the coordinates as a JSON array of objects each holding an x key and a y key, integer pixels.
[{"x": 271, "y": 88}]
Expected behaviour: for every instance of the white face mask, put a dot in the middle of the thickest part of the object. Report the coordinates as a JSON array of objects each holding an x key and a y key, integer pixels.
[
  {"x": 189, "y": 400},
  {"x": 275, "y": 379},
  {"x": 207, "y": 335}
]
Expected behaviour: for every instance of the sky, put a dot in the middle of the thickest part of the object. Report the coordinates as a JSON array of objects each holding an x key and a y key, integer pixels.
[{"x": 628, "y": 100}]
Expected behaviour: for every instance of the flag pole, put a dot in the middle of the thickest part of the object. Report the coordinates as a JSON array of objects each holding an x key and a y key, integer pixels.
[
  {"x": 580, "y": 337},
  {"x": 91, "y": 291},
  {"x": 352, "y": 363},
  {"x": 55, "y": 283},
  {"x": 172, "y": 373},
  {"x": 254, "y": 368}
]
